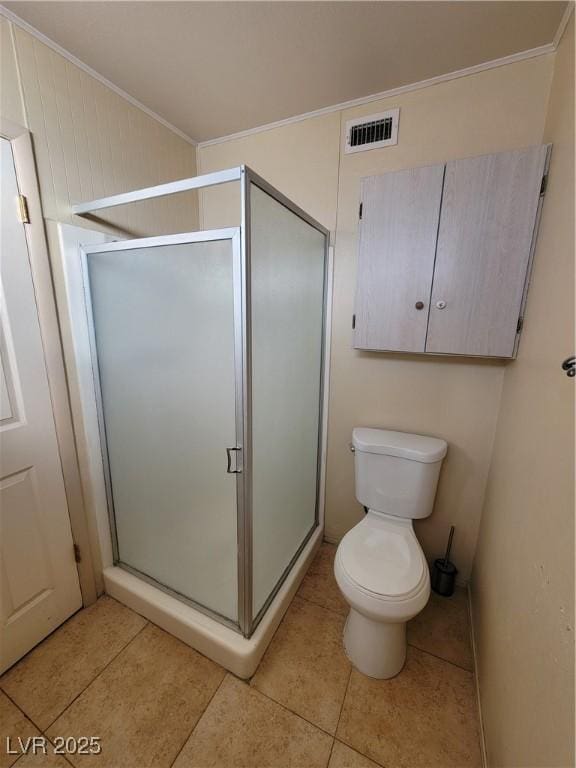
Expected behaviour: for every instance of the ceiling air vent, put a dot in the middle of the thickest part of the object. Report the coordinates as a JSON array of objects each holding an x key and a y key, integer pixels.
[{"x": 372, "y": 132}]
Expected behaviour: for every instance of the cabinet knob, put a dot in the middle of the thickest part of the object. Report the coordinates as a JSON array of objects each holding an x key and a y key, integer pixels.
[
  {"x": 440, "y": 304},
  {"x": 419, "y": 305}
]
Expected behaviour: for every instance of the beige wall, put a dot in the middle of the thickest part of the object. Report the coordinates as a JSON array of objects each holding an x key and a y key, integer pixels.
[
  {"x": 89, "y": 141},
  {"x": 523, "y": 580},
  {"x": 300, "y": 159},
  {"x": 456, "y": 399}
]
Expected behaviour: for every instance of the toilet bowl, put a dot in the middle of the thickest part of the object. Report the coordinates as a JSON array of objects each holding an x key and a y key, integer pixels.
[
  {"x": 380, "y": 567},
  {"x": 383, "y": 574}
]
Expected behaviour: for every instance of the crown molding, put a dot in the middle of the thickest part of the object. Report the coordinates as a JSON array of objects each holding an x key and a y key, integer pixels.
[
  {"x": 16, "y": 20},
  {"x": 563, "y": 24},
  {"x": 391, "y": 93}
]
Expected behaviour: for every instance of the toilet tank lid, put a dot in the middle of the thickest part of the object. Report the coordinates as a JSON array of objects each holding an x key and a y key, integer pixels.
[{"x": 402, "y": 444}]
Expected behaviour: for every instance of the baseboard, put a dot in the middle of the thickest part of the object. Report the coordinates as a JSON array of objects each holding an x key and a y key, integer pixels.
[{"x": 476, "y": 680}]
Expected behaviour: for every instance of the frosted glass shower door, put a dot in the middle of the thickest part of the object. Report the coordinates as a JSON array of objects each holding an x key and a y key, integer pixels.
[
  {"x": 166, "y": 340},
  {"x": 288, "y": 264}
]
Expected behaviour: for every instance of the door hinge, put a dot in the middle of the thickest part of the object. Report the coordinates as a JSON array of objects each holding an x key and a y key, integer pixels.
[
  {"x": 77, "y": 553},
  {"x": 519, "y": 325},
  {"x": 360, "y": 210},
  {"x": 353, "y": 322},
  {"x": 543, "y": 185},
  {"x": 23, "y": 209}
]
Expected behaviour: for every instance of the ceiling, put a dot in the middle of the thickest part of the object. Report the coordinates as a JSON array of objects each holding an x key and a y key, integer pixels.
[{"x": 215, "y": 68}]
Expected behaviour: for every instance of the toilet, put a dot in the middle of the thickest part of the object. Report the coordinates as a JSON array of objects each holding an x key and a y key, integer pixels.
[{"x": 380, "y": 567}]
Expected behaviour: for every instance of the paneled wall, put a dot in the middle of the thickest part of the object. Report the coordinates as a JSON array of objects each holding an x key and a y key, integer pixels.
[
  {"x": 91, "y": 142},
  {"x": 523, "y": 580},
  {"x": 453, "y": 398}
]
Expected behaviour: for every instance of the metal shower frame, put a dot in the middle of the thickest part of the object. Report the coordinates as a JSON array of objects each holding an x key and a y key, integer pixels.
[{"x": 241, "y": 245}]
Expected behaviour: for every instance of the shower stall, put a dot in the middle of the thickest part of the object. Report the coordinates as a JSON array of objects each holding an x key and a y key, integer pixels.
[{"x": 208, "y": 353}]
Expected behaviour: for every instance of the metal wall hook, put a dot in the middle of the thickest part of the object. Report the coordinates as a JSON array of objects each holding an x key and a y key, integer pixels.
[{"x": 569, "y": 365}]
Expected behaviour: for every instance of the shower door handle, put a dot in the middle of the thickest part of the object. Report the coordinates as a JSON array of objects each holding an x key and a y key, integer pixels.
[{"x": 229, "y": 457}]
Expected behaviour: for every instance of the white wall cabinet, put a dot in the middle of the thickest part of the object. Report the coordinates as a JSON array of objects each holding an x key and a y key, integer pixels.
[{"x": 445, "y": 254}]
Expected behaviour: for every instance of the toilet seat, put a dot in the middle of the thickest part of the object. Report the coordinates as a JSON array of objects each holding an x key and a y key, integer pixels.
[
  {"x": 381, "y": 569},
  {"x": 383, "y": 556}
]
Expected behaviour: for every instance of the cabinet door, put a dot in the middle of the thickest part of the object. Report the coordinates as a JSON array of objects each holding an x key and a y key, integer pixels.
[
  {"x": 487, "y": 222},
  {"x": 398, "y": 231}
]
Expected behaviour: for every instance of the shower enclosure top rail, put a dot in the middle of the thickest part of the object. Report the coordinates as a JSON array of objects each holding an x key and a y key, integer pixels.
[
  {"x": 238, "y": 173},
  {"x": 160, "y": 190}
]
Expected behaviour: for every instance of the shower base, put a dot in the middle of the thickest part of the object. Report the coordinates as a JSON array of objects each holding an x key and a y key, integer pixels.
[{"x": 238, "y": 654}]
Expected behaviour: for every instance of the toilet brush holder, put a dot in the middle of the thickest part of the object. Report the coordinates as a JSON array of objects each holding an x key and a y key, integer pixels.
[
  {"x": 444, "y": 572},
  {"x": 443, "y": 577}
]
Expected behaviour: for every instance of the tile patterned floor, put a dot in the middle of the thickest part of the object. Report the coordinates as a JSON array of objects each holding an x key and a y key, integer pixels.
[
  {"x": 305, "y": 668},
  {"x": 156, "y": 702}
]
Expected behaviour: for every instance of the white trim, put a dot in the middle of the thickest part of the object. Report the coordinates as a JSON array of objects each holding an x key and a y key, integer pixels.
[
  {"x": 12, "y": 17},
  {"x": 563, "y": 24},
  {"x": 159, "y": 190},
  {"x": 502, "y": 62},
  {"x": 182, "y": 238},
  {"x": 475, "y": 69},
  {"x": 38, "y": 254},
  {"x": 476, "y": 680},
  {"x": 18, "y": 75},
  {"x": 65, "y": 242}
]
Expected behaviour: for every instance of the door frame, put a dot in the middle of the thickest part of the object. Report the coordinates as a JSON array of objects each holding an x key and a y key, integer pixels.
[
  {"x": 26, "y": 176},
  {"x": 233, "y": 235}
]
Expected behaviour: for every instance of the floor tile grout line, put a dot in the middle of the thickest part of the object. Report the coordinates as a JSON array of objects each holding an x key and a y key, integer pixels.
[
  {"x": 41, "y": 643},
  {"x": 65, "y": 756},
  {"x": 187, "y": 739},
  {"x": 292, "y": 712},
  {"x": 319, "y": 605},
  {"x": 332, "y": 610},
  {"x": 441, "y": 658},
  {"x": 340, "y": 713},
  {"x": 331, "y": 750},
  {"x": 412, "y": 645},
  {"x": 19, "y": 708},
  {"x": 44, "y": 639},
  {"x": 252, "y": 685},
  {"x": 274, "y": 701},
  {"x": 354, "y": 749},
  {"x": 93, "y": 680}
]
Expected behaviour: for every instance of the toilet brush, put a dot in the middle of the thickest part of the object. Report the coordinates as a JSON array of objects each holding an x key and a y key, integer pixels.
[{"x": 444, "y": 572}]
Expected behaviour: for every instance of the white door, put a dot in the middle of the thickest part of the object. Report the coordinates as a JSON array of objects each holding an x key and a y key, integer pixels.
[{"x": 39, "y": 585}]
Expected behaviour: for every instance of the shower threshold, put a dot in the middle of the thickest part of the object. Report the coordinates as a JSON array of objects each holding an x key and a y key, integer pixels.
[{"x": 237, "y": 654}]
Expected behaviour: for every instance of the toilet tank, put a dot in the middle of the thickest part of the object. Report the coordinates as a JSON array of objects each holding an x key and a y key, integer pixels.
[{"x": 397, "y": 472}]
